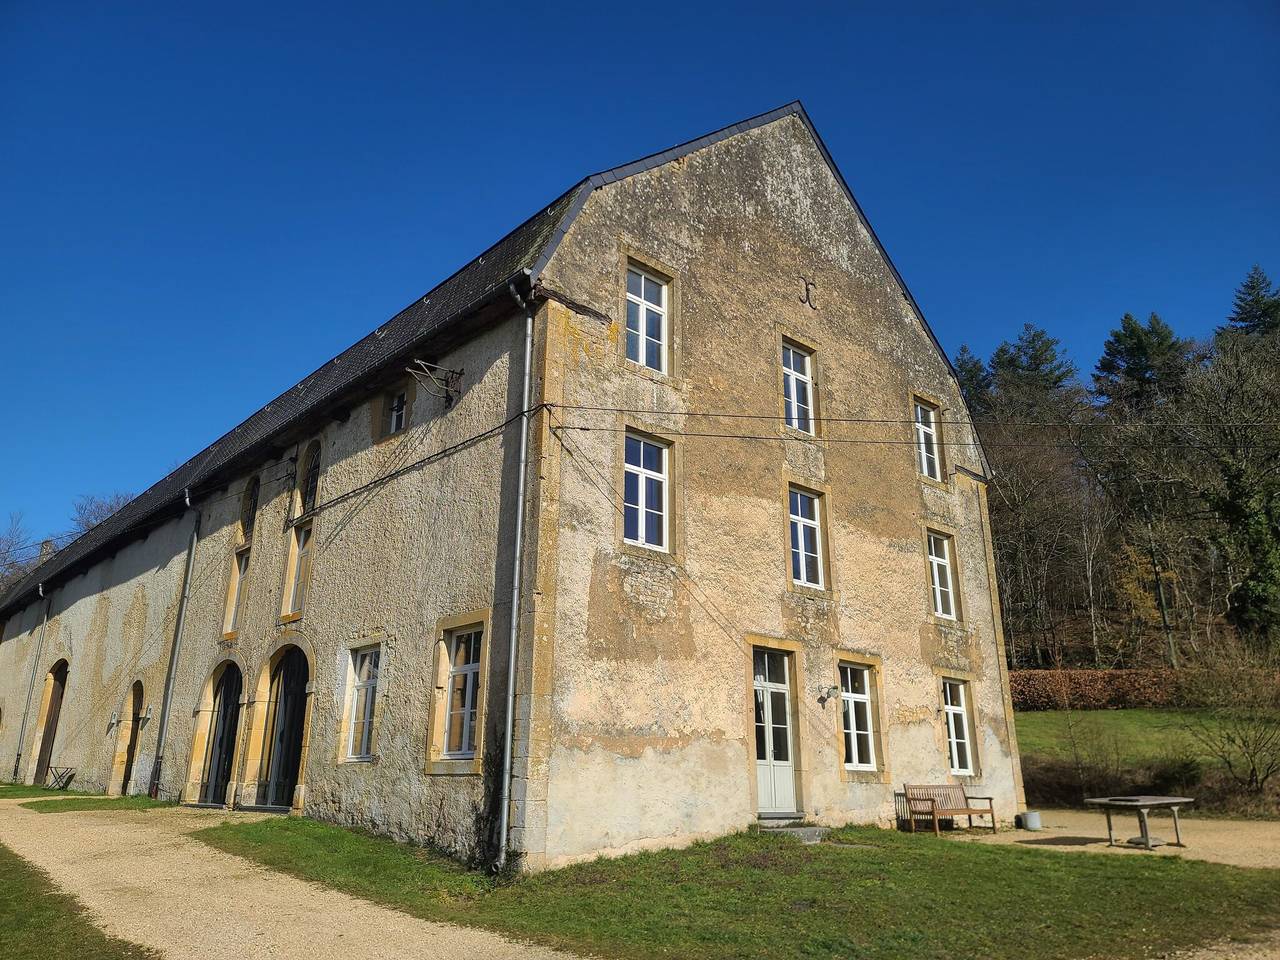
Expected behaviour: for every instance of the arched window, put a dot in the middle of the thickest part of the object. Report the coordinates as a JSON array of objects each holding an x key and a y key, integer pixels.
[
  {"x": 310, "y": 474},
  {"x": 249, "y": 509},
  {"x": 298, "y": 575}
]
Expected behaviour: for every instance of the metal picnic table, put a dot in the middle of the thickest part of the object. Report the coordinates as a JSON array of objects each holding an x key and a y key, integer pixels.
[{"x": 1142, "y": 805}]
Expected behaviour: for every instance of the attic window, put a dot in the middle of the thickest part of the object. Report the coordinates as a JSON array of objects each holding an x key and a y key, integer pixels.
[
  {"x": 390, "y": 411},
  {"x": 396, "y": 411}
]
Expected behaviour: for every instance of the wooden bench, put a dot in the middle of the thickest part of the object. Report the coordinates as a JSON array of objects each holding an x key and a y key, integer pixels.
[{"x": 936, "y": 801}]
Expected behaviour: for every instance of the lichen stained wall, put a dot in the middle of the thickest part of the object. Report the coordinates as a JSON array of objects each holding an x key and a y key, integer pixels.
[{"x": 649, "y": 738}]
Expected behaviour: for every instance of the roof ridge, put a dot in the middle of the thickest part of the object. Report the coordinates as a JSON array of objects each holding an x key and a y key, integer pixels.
[
  {"x": 406, "y": 328},
  {"x": 794, "y": 108}
]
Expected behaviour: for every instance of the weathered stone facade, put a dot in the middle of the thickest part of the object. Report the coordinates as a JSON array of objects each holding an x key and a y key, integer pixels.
[{"x": 634, "y": 678}]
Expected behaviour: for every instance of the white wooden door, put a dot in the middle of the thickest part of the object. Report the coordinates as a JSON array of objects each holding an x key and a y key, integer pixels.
[{"x": 775, "y": 754}]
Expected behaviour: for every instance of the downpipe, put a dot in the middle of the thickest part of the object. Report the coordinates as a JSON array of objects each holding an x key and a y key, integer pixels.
[
  {"x": 167, "y": 700},
  {"x": 517, "y": 571}
]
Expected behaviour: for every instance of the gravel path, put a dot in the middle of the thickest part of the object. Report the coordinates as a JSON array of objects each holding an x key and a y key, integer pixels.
[
  {"x": 144, "y": 880},
  {"x": 1265, "y": 948},
  {"x": 1241, "y": 843}
]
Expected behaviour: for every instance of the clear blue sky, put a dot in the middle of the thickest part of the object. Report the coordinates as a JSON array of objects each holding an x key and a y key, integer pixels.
[{"x": 198, "y": 207}]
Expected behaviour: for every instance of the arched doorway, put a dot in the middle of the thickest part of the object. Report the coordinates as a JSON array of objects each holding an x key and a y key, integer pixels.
[
  {"x": 127, "y": 741},
  {"x": 55, "y": 688},
  {"x": 283, "y": 728},
  {"x": 224, "y": 721}
]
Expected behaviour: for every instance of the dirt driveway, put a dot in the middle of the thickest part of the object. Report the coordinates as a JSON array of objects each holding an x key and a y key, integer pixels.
[
  {"x": 1241, "y": 843},
  {"x": 146, "y": 881}
]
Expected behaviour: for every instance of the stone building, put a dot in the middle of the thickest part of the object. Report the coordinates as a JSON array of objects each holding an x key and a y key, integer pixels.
[{"x": 748, "y": 544}]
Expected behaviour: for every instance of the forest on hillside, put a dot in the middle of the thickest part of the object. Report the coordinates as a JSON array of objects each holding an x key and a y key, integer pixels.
[{"x": 1136, "y": 514}]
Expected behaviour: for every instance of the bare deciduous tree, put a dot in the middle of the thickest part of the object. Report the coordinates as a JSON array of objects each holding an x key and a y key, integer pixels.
[
  {"x": 1240, "y": 723},
  {"x": 90, "y": 510},
  {"x": 15, "y": 550}
]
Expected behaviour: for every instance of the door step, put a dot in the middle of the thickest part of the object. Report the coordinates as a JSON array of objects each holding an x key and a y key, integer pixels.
[{"x": 791, "y": 827}]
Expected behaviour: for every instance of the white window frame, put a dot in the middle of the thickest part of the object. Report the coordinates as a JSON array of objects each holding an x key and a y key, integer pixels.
[
  {"x": 642, "y": 335},
  {"x": 796, "y": 524},
  {"x": 470, "y": 712},
  {"x": 927, "y": 446},
  {"x": 371, "y": 701},
  {"x": 642, "y": 505},
  {"x": 849, "y": 697},
  {"x": 790, "y": 378},
  {"x": 941, "y": 580},
  {"x": 956, "y": 712}
]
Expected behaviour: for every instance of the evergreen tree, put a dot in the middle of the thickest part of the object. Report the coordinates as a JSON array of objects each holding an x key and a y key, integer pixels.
[
  {"x": 1141, "y": 364},
  {"x": 1031, "y": 366},
  {"x": 1228, "y": 464},
  {"x": 1257, "y": 305},
  {"x": 975, "y": 381}
]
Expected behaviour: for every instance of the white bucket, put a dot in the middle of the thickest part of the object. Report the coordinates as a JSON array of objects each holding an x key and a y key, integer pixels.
[{"x": 1029, "y": 820}]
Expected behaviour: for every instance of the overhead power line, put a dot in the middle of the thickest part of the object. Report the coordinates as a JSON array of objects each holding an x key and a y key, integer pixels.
[
  {"x": 430, "y": 458},
  {"x": 1065, "y": 424},
  {"x": 901, "y": 441}
]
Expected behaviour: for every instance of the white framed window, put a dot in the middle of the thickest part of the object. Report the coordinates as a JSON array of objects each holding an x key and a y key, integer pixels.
[
  {"x": 463, "y": 649},
  {"x": 364, "y": 696},
  {"x": 797, "y": 388},
  {"x": 396, "y": 412},
  {"x": 926, "y": 426},
  {"x": 953, "y": 705},
  {"x": 644, "y": 493},
  {"x": 806, "y": 538},
  {"x": 647, "y": 324},
  {"x": 940, "y": 579},
  {"x": 855, "y": 701}
]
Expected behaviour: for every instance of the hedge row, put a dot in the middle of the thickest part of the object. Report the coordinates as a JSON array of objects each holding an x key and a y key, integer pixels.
[{"x": 1097, "y": 689}]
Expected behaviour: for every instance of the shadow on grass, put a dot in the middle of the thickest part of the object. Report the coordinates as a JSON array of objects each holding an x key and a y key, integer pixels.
[
  {"x": 21, "y": 791},
  {"x": 1063, "y": 842},
  {"x": 40, "y": 922},
  {"x": 79, "y": 804},
  {"x": 872, "y": 894}
]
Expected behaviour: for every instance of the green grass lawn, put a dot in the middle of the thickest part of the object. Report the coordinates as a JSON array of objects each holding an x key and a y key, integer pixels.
[
  {"x": 1139, "y": 735},
  {"x": 18, "y": 791},
  {"x": 757, "y": 896},
  {"x": 78, "y": 804},
  {"x": 39, "y": 922}
]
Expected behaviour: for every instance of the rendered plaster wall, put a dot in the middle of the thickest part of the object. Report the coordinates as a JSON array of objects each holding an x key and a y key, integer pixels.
[
  {"x": 390, "y": 564},
  {"x": 643, "y": 731},
  {"x": 113, "y": 625}
]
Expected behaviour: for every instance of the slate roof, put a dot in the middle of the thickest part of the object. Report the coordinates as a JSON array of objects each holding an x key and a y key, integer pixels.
[
  {"x": 452, "y": 300},
  {"x": 519, "y": 256}
]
